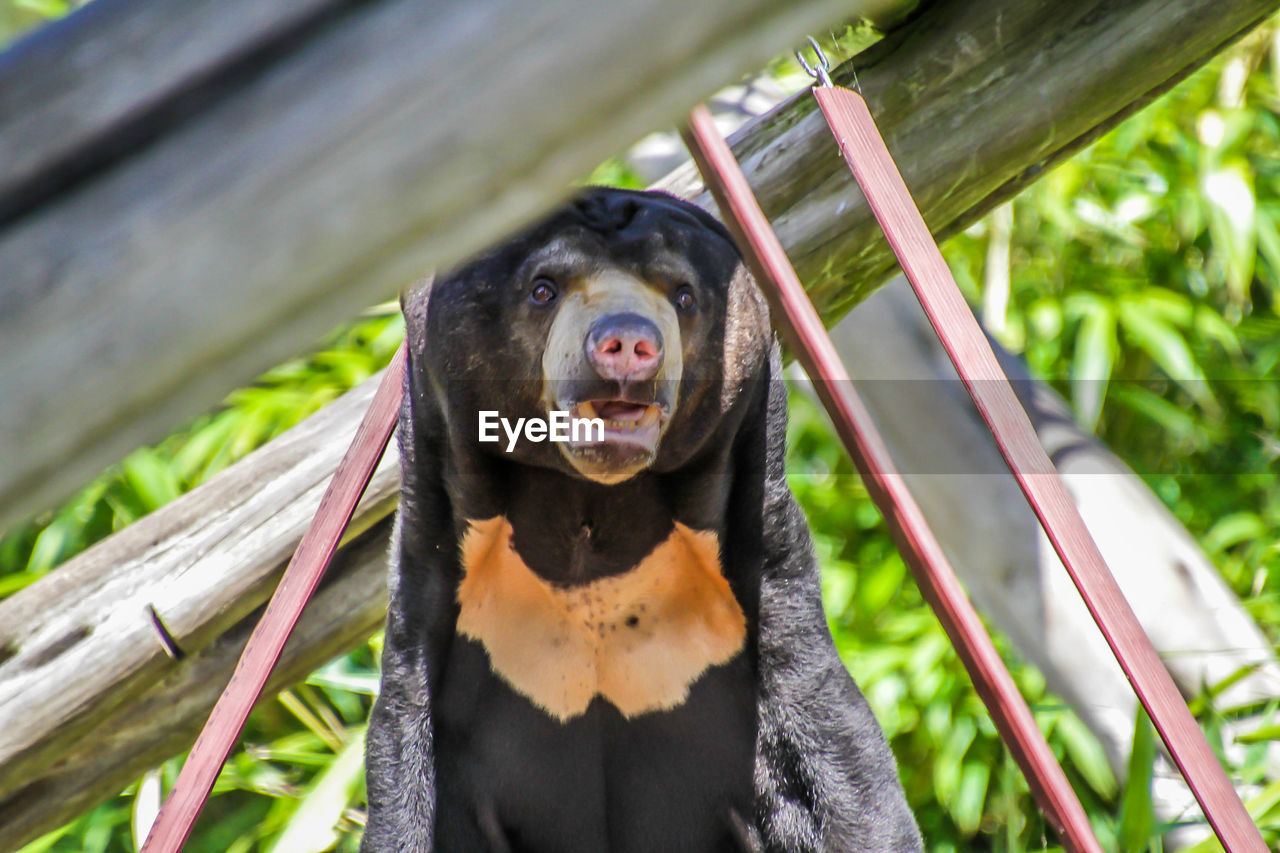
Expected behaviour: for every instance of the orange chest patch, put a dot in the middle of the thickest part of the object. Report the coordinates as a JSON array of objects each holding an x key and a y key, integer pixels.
[{"x": 639, "y": 639}]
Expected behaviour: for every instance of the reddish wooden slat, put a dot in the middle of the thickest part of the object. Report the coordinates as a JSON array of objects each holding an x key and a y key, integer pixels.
[
  {"x": 805, "y": 335},
  {"x": 260, "y": 654},
  {"x": 873, "y": 167}
]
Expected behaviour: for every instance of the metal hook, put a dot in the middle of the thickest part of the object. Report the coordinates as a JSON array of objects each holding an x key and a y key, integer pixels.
[{"x": 820, "y": 72}]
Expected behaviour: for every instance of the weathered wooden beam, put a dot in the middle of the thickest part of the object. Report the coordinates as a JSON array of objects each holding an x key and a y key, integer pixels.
[
  {"x": 85, "y": 92},
  {"x": 239, "y": 558},
  {"x": 163, "y": 717},
  {"x": 82, "y": 646},
  {"x": 191, "y": 195},
  {"x": 976, "y": 101}
]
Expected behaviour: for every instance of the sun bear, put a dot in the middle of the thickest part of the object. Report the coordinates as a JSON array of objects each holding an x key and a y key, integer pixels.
[{"x": 613, "y": 642}]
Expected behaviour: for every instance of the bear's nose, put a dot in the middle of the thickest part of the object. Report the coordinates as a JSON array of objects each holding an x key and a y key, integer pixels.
[{"x": 624, "y": 347}]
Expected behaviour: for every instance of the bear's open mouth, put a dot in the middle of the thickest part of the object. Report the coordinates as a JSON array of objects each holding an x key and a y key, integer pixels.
[{"x": 625, "y": 421}]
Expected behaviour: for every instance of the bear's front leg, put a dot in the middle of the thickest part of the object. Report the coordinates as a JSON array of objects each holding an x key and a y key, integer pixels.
[
  {"x": 399, "y": 753},
  {"x": 399, "y": 758}
]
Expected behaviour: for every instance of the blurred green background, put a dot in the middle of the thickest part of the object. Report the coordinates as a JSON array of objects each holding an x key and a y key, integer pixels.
[{"x": 1148, "y": 264}]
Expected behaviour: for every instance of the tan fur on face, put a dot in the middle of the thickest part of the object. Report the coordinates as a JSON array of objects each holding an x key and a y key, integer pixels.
[
  {"x": 610, "y": 291},
  {"x": 639, "y": 639}
]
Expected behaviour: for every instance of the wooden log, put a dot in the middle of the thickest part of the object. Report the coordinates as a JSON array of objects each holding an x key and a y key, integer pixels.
[
  {"x": 82, "y": 644},
  {"x": 190, "y": 198},
  {"x": 163, "y": 718},
  {"x": 976, "y": 101},
  {"x": 86, "y": 91},
  {"x": 57, "y": 738}
]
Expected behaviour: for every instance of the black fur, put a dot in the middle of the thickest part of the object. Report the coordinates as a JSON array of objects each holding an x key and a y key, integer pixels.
[{"x": 775, "y": 750}]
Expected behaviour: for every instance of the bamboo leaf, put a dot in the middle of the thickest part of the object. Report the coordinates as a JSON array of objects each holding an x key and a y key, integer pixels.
[
  {"x": 1086, "y": 754},
  {"x": 52, "y": 545},
  {"x": 311, "y": 828},
  {"x": 1209, "y": 324},
  {"x": 1268, "y": 237},
  {"x": 1260, "y": 735},
  {"x": 45, "y": 8},
  {"x": 1177, "y": 421},
  {"x": 1232, "y": 225},
  {"x": 150, "y": 478},
  {"x": 1092, "y": 363},
  {"x": 947, "y": 769},
  {"x": 966, "y": 806},
  {"x": 1167, "y": 348},
  {"x": 1232, "y": 530},
  {"x": 47, "y": 842},
  {"x": 1137, "y": 813}
]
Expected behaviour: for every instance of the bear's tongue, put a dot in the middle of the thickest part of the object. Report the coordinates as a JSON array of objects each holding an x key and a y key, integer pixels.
[{"x": 620, "y": 410}]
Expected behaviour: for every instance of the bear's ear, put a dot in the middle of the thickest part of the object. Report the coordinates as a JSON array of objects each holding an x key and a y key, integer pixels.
[
  {"x": 413, "y": 302},
  {"x": 746, "y": 335}
]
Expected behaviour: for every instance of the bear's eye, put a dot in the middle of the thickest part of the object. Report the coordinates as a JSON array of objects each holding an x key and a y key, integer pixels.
[
  {"x": 544, "y": 290},
  {"x": 684, "y": 298}
]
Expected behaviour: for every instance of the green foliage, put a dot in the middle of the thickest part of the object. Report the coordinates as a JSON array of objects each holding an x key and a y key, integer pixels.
[
  {"x": 19, "y": 16},
  {"x": 1144, "y": 283},
  {"x": 1137, "y": 815},
  {"x": 614, "y": 173},
  {"x": 962, "y": 783},
  {"x": 1144, "y": 279}
]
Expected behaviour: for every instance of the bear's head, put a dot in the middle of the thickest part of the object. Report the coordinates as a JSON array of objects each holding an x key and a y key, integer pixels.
[{"x": 629, "y": 307}]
